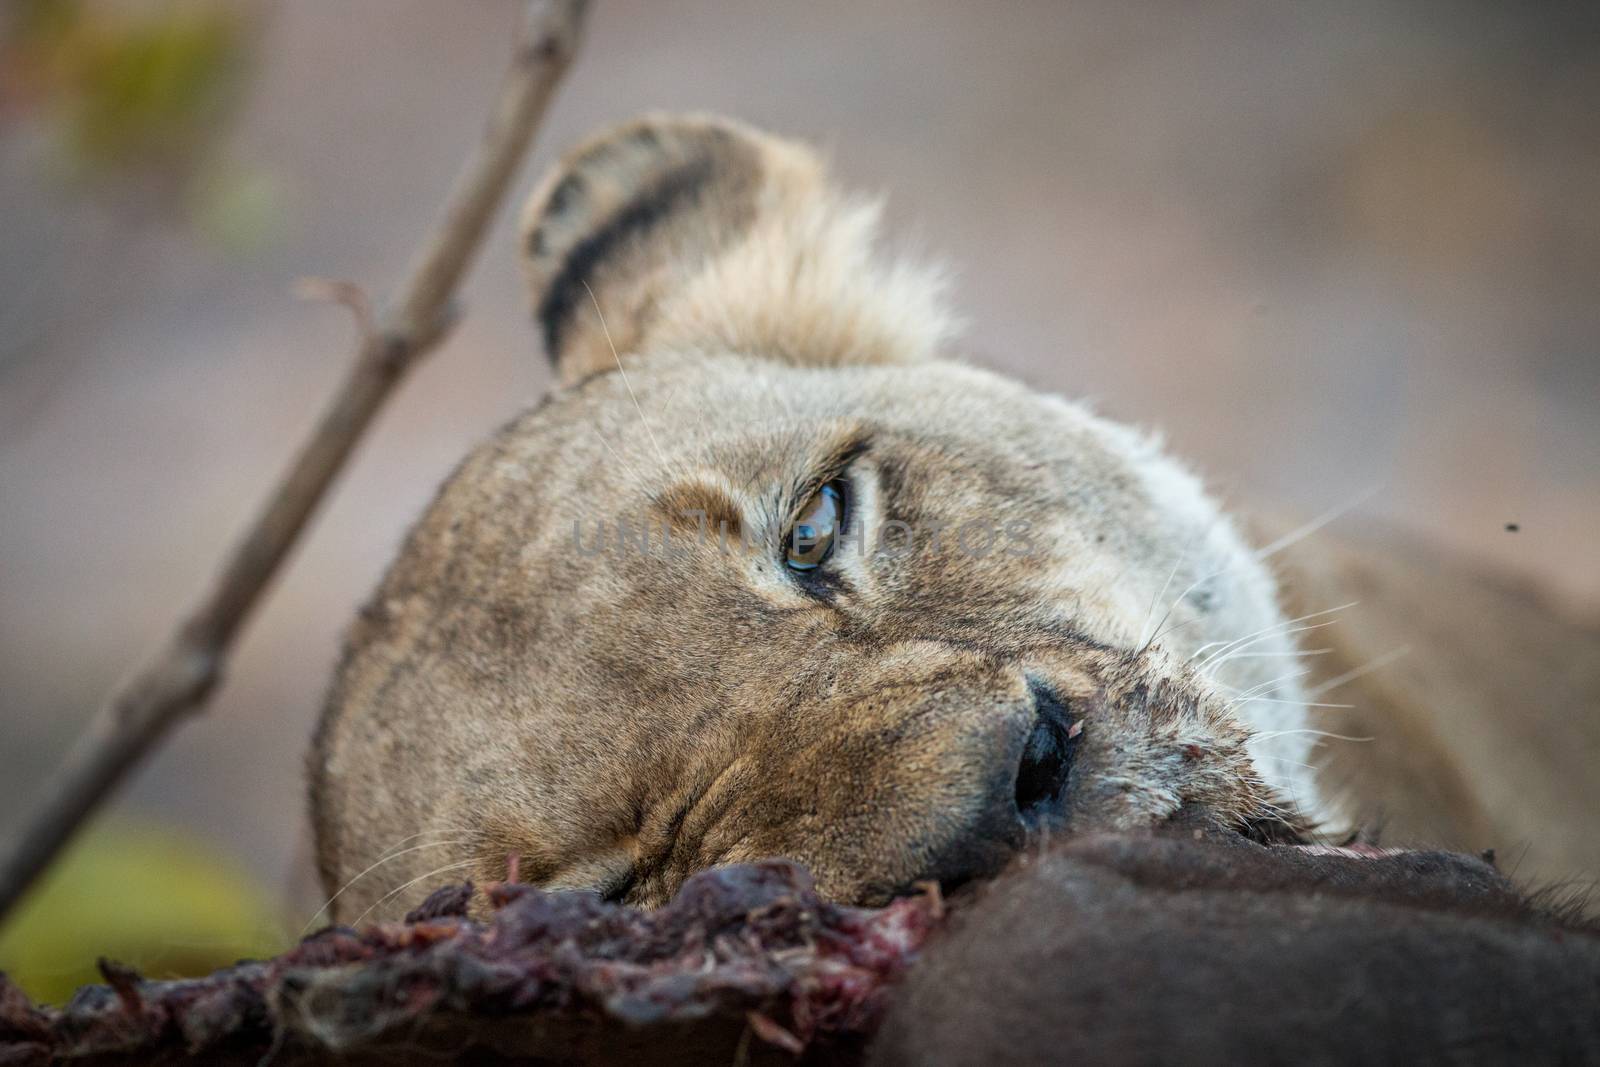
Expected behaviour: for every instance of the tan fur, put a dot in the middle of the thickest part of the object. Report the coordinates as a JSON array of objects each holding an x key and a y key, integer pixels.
[
  {"x": 1474, "y": 705},
  {"x": 620, "y": 719}
]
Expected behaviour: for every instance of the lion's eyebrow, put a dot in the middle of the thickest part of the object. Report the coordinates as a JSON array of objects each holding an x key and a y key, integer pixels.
[
  {"x": 705, "y": 501},
  {"x": 699, "y": 504}
]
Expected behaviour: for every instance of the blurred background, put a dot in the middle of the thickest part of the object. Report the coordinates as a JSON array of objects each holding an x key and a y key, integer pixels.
[{"x": 1324, "y": 247}]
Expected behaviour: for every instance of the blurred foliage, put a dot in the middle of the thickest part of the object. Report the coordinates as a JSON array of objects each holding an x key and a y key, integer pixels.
[
  {"x": 139, "y": 94},
  {"x": 238, "y": 208},
  {"x": 166, "y": 905}
]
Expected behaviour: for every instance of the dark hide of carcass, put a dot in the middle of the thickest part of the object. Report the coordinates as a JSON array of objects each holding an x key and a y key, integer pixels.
[{"x": 1218, "y": 951}]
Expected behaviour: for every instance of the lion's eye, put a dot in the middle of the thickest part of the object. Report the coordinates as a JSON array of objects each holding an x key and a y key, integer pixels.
[{"x": 811, "y": 540}]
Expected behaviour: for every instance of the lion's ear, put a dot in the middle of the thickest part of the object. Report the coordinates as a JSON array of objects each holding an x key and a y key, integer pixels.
[{"x": 702, "y": 234}]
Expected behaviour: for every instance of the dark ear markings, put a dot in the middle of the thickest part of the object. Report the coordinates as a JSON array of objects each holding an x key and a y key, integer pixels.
[
  {"x": 634, "y": 215},
  {"x": 645, "y": 137},
  {"x": 564, "y": 193},
  {"x": 566, "y": 293}
]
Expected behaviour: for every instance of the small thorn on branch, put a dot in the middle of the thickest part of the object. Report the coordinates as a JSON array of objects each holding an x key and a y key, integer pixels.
[{"x": 344, "y": 293}]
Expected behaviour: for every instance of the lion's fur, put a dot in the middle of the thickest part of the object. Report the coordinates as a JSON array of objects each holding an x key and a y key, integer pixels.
[
  {"x": 726, "y": 337},
  {"x": 1474, "y": 704}
]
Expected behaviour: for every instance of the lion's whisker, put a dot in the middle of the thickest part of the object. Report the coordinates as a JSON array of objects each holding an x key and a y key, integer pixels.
[
  {"x": 631, "y": 395},
  {"x": 1357, "y": 672},
  {"x": 1285, "y": 759},
  {"x": 458, "y": 865},
  {"x": 1208, "y": 668},
  {"x": 1291, "y": 538},
  {"x": 1267, "y": 685},
  {"x": 1214, "y": 666},
  {"x": 1144, "y": 643},
  {"x": 1275, "y": 655},
  {"x": 1286, "y": 700},
  {"x": 627, "y": 468},
  {"x": 380, "y": 862},
  {"x": 1268, "y": 735},
  {"x": 1302, "y": 532},
  {"x": 1243, "y": 642},
  {"x": 1262, "y": 687}
]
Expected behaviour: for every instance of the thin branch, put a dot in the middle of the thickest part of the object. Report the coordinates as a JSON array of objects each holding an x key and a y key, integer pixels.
[{"x": 177, "y": 682}]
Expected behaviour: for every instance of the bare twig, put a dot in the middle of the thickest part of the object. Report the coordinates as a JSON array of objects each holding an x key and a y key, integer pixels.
[{"x": 178, "y": 680}]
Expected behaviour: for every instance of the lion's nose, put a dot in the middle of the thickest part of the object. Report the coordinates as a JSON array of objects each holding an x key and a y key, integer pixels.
[
  {"x": 1025, "y": 789},
  {"x": 1045, "y": 771},
  {"x": 1021, "y": 798}
]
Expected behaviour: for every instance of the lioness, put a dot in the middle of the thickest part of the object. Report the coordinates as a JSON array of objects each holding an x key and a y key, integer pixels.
[{"x": 770, "y": 573}]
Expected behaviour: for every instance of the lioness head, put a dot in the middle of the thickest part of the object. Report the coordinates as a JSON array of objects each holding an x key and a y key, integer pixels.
[{"x": 771, "y": 574}]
